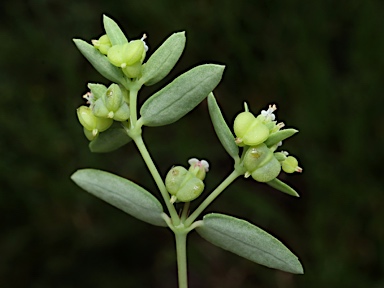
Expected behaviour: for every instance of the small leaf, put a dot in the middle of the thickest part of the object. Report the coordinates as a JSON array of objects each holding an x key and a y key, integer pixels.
[
  {"x": 110, "y": 140},
  {"x": 248, "y": 241},
  {"x": 100, "y": 62},
  {"x": 280, "y": 135},
  {"x": 114, "y": 33},
  {"x": 121, "y": 193},
  {"x": 97, "y": 90},
  {"x": 222, "y": 130},
  {"x": 163, "y": 59},
  {"x": 281, "y": 186},
  {"x": 182, "y": 95}
]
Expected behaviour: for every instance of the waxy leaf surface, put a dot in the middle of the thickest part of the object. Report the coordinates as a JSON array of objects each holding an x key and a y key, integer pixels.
[
  {"x": 121, "y": 193},
  {"x": 110, "y": 140},
  {"x": 100, "y": 62},
  {"x": 221, "y": 128},
  {"x": 247, "y": 240},
  {"x": 180, "y": 96},
  {"x": 114, "y": 33},
  {"x": 281, "y": 186},
  {"x": 163, "y": 59}
]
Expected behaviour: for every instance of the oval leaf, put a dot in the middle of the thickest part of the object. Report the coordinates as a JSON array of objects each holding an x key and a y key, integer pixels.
[
  {"x": 248, "y": 241},
  {"x": 281, "y": 186},
  {"x": 110, "y": 140},
  {"x": 100, "y": 62},
  {"x": 182, "y": 95},
  {"x": 280, "y": 135},
  {"x": 114, "y": 33},
  {"x": 97, "y": 90},
  {"x": 121, "y": 193},
  {"x": 163, "y": 59},
  {"x": 221, "y": 128}
]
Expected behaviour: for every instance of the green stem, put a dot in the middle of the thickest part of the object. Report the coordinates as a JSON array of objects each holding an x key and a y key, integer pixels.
[
  {"x": 212, "y": 197},
  {"x": 181, "y": 252},
  {"x": 185, "y": 212},
  {"x": 132, "y": 106},
  {"x": 156, "y": 176}
]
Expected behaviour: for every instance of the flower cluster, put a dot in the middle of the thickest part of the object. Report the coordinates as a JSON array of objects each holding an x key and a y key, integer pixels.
[
  {"x": 128, "y": 56},
  {"x": 186, "y": 185},
  {"x": 261, "y": 136},
  {"x": 108, "y": 104}
]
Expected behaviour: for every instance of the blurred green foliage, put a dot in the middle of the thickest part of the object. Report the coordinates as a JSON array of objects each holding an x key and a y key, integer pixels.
[{"x": 320, "y": 61}]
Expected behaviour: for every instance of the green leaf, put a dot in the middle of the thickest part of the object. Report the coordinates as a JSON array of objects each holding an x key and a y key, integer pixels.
[
  {"x": 163, "y": 59},
  {"x": 222, "y": 130},
  {"x": 114, "y": 33},
  {"x": 97, "y": 90},
  {"x": 121, "y": 193},
  {"x": 182, "y": 95},
  {"x": 100, "y": 62},
  {"x": 248, "y": 241},
  {"x": 280, "y": 135},
  {"x": 110, "y": 140},
  {"x": 281, "y": 186}
]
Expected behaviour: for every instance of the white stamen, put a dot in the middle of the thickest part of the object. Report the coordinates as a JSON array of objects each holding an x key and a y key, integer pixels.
[
  {"x": 268, "y": 114},
  {"x": 202, "y": 163},
  {"x": 299, "y": 169},
  {"x": 145, "y": 44}
]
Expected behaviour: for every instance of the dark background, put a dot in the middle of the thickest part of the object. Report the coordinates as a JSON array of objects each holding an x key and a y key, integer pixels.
[{"x": 322, "y": 63}]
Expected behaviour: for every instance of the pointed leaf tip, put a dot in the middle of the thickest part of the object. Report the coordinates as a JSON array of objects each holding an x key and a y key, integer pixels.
[
  {"x": 283, "y": 187},
  {"x": 248, "y": 241},
  {"x": 181, "y": 96},
  {"x": 121, "y": 193}
]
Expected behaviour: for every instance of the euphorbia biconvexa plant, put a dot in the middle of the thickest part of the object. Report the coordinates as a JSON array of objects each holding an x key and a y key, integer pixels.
[{"x": 111, "y": 120}]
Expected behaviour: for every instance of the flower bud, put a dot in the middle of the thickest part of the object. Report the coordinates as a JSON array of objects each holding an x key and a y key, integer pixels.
[
  {"x": 190, "y": 190},
  {"x": 103, "y": 44},
  {"x": 133, "y": 71},
  {"x": 249, "y": 130},
  {"x": 112, "y": 104},
  {"x": 267, "y": 172},
  {"x": 290, "y": 165},
  {"x": 90, "y": 122},
  {"x": 136, "y": 51},
  {"x": 127, "y": 54},
  {"x": 183, "y": 185},
  {"x": 174, "y": 179},
  {"x": 260, "y": 162}
]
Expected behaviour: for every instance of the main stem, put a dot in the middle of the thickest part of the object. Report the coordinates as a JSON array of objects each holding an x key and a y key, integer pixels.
[{"x": 181, "y": 252}]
